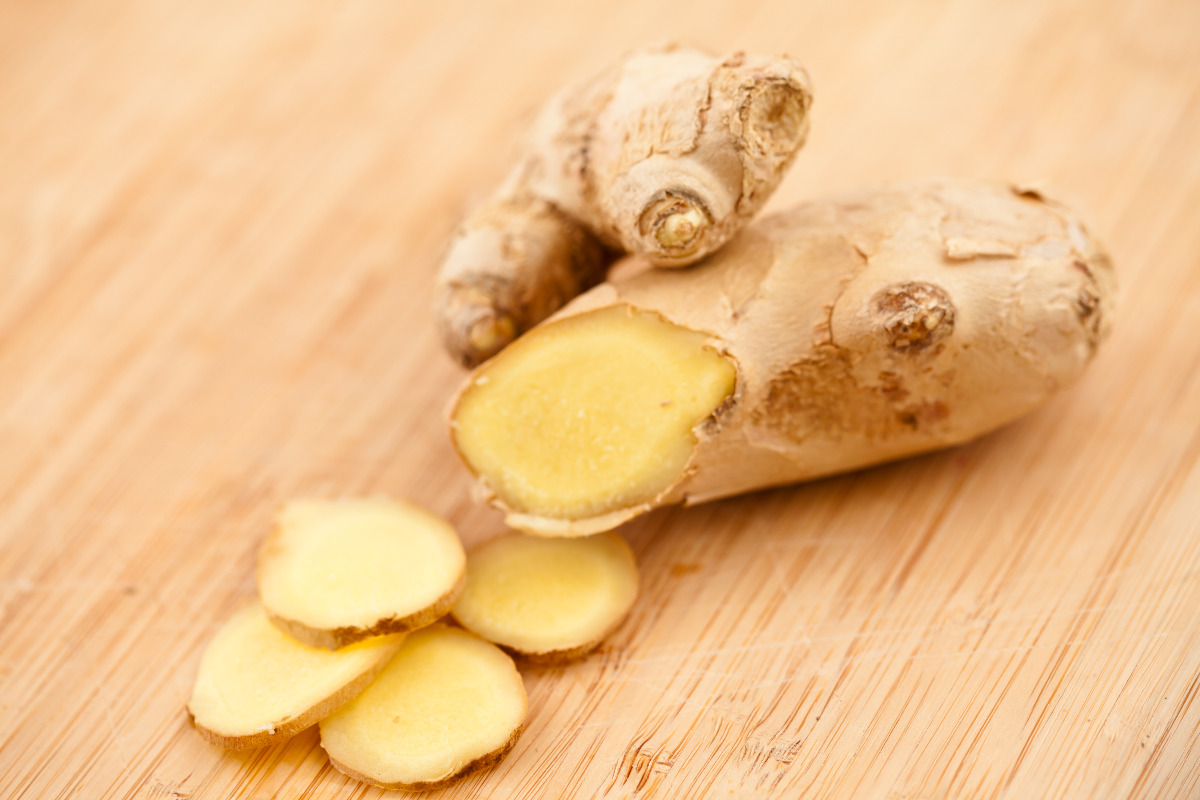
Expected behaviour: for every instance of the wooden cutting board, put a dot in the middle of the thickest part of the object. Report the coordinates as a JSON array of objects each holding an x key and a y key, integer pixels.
[{"x": 219, "y": 224}]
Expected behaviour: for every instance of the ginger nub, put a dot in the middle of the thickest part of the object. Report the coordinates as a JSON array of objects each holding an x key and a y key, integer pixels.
[
  {"x": 549, "y": 600},
  {"x": 590, "y": 414},
  {"x": 257, "y": 686},
  {"x": 447, "y": 704},
  {"x": 334, "y": 572}
]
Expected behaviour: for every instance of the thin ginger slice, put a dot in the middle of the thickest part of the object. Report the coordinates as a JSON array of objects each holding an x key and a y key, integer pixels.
[
  {"x": 335, "y": 572},
  {"x": 590, "y": 414},
  {"x": 549, "y": 600},
  {"x": 257, "y": 686},
  {"x": 448, "y": 703}
]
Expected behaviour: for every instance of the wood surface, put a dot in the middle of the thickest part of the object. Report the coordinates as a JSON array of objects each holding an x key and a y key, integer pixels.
[{"x": 219, "y": 223}]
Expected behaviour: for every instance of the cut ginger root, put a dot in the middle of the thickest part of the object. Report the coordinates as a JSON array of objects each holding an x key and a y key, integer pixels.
[
  {"x": 548, "y": 600},
  {"x": 257, "y": 686},
  {"x": 448, "y": 703},
  {"x": 844, "y": 333},
  {"x": 335, "y": 572},
  {"x": 667, "y": 153}
]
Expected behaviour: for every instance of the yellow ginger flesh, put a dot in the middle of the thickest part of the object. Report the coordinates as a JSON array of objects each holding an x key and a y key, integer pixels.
[
  {"x": 547, "y": 596},
  {"x": 351, "y": 563},
  {"x": 446, "y": 703},
  {"x": 255, "y": 682},
  {"x": 591, "y": 413}
]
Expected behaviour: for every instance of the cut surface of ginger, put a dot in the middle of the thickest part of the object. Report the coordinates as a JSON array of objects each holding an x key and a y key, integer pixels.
[
  {"x": 590, "y": 414},
  {"x": 257, "y": 686},
  {"x": 333, "y": 572},
  {"x": 551, "y": 600},
  {"x": 447, "y": 703}
]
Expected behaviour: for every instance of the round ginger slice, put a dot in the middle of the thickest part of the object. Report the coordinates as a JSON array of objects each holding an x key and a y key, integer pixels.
[
  {"x": 257, "y": 686},
  {"x": 589, "y": 416},
  {"x": 334, "y": 572},
  {"x": 447, "y": 704},
  {"x": 548, "y": 600}
]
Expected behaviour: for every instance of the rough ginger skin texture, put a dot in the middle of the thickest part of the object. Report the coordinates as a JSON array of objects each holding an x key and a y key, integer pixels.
[
  {"x": 665, "y": 154},
  {"x": 869, "y": 327}
]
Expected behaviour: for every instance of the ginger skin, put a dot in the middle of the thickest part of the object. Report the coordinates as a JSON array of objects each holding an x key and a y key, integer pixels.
[
  {"x": 859, "y": 329},
  {"x": 666, "y": 154}
]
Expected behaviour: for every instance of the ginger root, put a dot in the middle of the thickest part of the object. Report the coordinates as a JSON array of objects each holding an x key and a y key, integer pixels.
[
  {"x": 548, "y": 600},
  {"x": 334, "y": 572},
  {"x": 665, "y": 154},
  {"x": 448, "y": 703},
  {"x": 844, "y": 333}
]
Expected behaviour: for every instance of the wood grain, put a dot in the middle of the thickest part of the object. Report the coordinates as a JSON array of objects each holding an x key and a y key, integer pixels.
[{"x": 218, "y": 227}]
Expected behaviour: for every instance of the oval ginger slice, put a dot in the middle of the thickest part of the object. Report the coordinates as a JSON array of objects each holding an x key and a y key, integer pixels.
[
  {"x": 589, "y": 417},
  {"x": 257, "y": 686},
  {"x": 448, "y": 703},
  {"x": 334, "y": 572},
  {"x": 549, "y": 600}
]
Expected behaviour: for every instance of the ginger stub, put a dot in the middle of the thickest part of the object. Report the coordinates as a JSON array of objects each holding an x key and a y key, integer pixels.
[
  {"x": 335, "y": 572},
  {"x": 548, "y": 600},
  {"x": 448, "y": 703},
  {"x": 667, "y": 153},
  {"x": 257, "y": 686},
  {"x": 844, "y": 333}
]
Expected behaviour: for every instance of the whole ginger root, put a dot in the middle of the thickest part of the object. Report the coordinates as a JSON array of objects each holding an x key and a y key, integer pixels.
[
  {"x": 666, "y": 154},
  {"x": 846, "y": 332}
]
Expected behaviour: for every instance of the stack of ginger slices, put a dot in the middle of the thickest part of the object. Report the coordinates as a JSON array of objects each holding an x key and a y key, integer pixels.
[{"x": 346, "y": 634}]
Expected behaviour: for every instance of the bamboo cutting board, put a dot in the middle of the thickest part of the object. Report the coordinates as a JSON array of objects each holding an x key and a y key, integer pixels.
[{"x": 218, "y": 228}]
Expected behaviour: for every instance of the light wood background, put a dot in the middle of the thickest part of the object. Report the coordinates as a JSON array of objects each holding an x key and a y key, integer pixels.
[{"x": 219, "y": 223}]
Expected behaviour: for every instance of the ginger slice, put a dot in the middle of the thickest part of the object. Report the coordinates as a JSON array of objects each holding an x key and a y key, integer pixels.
[
  {"x": 335, "y": 572},
  {"x": 257, "y": 686},
  {"x": 590, "y": 414},
  {"x": 550, "y": 600},
  {"x": 448, "y": 703}
]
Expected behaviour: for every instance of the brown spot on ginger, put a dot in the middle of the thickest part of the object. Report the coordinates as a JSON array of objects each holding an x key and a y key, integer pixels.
[
  {"x": 820, "y": 395},
  {"x": 914, "y": 316}
]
